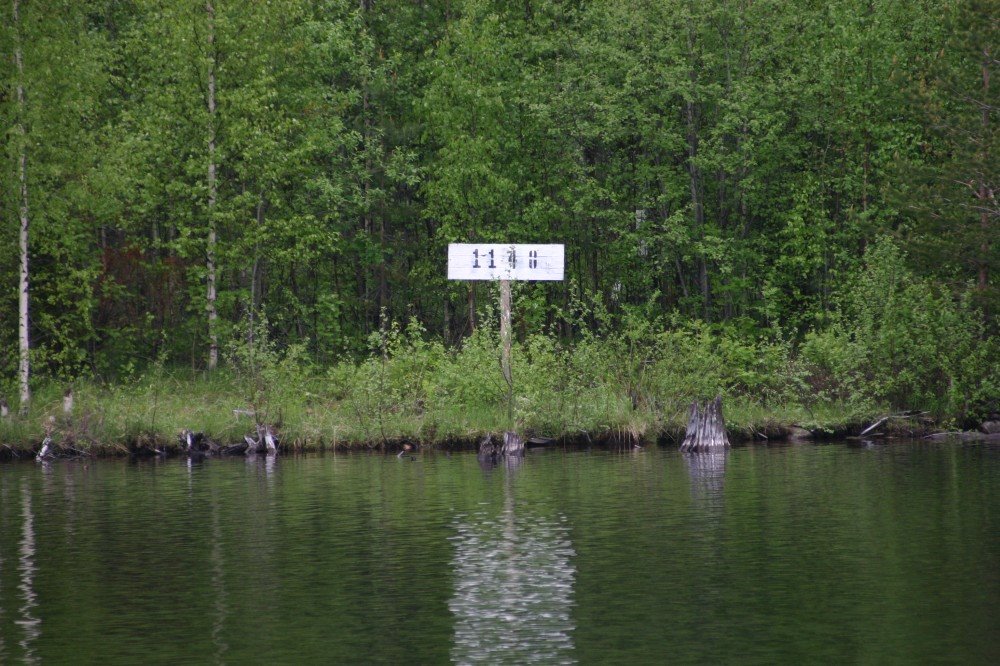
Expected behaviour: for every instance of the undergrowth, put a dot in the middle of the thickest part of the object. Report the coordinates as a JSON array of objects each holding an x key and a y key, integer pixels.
[{"x": 892, "y": 344}]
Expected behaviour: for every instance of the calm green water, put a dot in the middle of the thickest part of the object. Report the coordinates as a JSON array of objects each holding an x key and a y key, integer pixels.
[{"x": 797, "y": 554}]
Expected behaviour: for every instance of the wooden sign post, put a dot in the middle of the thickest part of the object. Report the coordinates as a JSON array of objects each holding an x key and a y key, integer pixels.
[{"x": 505, "y": 262}]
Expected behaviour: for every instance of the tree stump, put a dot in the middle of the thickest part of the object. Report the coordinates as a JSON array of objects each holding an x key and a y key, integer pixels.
[
  {"x": 266, "y": 442},
  {"x": 706, "y": 429},
  {"x": 45, "y": 453},
  {"x": 511, "y": 445}
]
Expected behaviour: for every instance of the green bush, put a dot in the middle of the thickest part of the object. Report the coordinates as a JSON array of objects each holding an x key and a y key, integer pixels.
[
  {"x": 902, "y": 343},
  {"x": 471, "y": 375},
  {"x": 269, "y": 377}
]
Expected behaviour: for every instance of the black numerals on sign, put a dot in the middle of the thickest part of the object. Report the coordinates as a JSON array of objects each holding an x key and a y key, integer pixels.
[
  {"x": 511, "y": 258},
  {"x": 475, "y": 259}
]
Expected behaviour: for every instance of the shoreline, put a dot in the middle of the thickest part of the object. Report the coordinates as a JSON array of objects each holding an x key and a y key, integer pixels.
[
  {"x": 147, "y": 416},
  {"x": 163, "y": 445}
]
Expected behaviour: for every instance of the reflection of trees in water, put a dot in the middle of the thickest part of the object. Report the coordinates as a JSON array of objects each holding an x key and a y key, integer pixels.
[
  {"x": 255, "y": 460},
  {"x": 3, "y": 502},
  {"x": 510, "y": 463},
  {"x": 218, "y": 567},
  {"x": 30, "y": 625},
  {"x": 708, "y": 471},
  {"x": 513, "y": 588}
]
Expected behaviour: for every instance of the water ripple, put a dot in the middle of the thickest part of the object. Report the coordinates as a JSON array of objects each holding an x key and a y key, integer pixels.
[{"x": 513, "y": 594}]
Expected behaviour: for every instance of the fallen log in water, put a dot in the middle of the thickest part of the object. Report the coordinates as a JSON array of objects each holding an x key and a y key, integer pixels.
[
  {"x": 907, "y": 415},
  {"x": 873, "y": 426},
  {"x": 706, "y": 428}
]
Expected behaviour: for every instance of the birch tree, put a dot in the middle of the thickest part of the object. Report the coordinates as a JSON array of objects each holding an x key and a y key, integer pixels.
[
  {"x": 210, "y": 296},
  {"x": 24, "y": 339}
]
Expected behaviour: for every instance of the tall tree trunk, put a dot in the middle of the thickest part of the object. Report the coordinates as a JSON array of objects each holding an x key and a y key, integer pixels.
[
  {"x": 257, "y": 269},
  {"x": 254, "y": 272},
  {"x": 694, "y": 174},
  {"x": 446, "y": 332},
  {"x": 383, "y": 276},
  {"x": 866, "y": 133},
  {"x": 213, "y": 315},
  {"x": 985, "y": 192},
  {"x": 366, "y": 136},
  {"x": 24, "y": 340},
  {"x": 694, "y": 177}
]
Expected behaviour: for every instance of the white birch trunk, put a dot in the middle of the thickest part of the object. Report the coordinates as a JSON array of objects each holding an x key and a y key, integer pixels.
[
  {"x": 213, "y": 336},
  {"x": 24, "y": 341}
]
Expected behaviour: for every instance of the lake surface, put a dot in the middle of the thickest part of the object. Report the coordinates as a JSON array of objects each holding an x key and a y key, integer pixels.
[{"x": 797, "y": 554}]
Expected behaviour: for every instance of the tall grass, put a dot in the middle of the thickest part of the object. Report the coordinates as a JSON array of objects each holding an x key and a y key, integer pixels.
[{"x": 626, "y": 387}]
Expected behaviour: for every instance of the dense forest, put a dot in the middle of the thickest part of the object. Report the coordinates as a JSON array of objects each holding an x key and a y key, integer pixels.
[{"x": 739, "y": 178}]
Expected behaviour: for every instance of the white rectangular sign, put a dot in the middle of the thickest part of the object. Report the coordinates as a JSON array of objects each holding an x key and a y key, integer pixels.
[{"x": 504, "y": 261}]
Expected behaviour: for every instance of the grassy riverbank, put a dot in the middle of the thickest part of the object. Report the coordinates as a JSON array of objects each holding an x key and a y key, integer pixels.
[
  {"x": 151, "y": 412},
  {"x": 365, "y": 406},
  {"x": 633, "y": 382},
  {"x": 894, "y": 344}
]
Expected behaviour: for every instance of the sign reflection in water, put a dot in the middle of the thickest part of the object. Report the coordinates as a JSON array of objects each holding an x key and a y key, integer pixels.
[{"x": 513, "y": 593}]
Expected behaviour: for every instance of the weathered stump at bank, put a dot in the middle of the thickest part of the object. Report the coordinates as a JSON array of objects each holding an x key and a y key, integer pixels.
[
  {"x": 266, "y": 442},
  {"x": 45, "y": 452},
  {"x": 195, "y": 444},
  {"x": 513, "y": 445},
  {"x": 706, "y": 429},
  {"x": 510, "y": 444}
]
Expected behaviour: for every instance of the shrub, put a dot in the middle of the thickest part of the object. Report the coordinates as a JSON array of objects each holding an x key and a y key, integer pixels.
[{"x": 899, "y": 341}]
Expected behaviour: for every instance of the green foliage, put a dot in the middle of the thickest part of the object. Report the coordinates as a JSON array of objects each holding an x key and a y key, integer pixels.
[
  {"x": 394, "y": 381},
  {"x": 832, "y": 362},
  {"x": 269, "y": 376},
  {"x": 715, "y": 169},
  {"x": 901, "y": 342}
]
